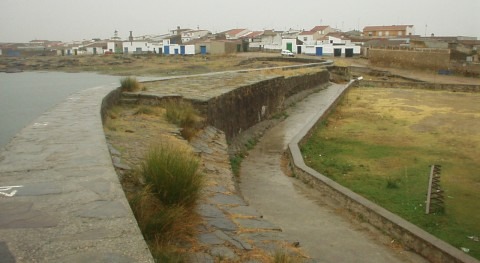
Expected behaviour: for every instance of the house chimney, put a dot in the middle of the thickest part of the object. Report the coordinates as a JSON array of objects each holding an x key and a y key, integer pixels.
[{"x": 130, "y": 38}]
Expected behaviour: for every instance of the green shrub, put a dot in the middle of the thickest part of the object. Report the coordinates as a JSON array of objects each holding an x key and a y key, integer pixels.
[
  {"x": 172, "y": 174},
  {"x": 130, "y": 84},
  {"x": 183, "y": 114}
]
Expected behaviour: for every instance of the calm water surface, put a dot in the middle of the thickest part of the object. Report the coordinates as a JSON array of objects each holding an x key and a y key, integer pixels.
[{"x": 25, "y": 96}]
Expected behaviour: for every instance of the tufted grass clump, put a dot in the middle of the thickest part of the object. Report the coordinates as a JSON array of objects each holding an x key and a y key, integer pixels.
[
  {"x": 172, "y": 175},
  {"x": 183, "y": 114},
  {"x": 130, "y": 84}
]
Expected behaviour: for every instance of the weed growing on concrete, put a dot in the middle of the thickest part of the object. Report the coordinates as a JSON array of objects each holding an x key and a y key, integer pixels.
[
  {"x": 236, "y": 162},
  {"x": 130, "y": 84},
  {"x": 172, "y": 173},
  {"x": 183, "y": 114}
]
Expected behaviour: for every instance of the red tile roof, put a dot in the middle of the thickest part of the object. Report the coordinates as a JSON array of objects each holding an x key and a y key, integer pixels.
[
  {"x": 307, "y": 33},
  {"x": 319, "y": 28},
  {"x": 253, "y": 34},
  {"x": 235, "y": 31}
]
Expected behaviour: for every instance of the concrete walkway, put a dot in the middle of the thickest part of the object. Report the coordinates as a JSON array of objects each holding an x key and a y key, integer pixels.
[
  {"x": 323, "y": 234},
  {"x": 60, "y": 198}
]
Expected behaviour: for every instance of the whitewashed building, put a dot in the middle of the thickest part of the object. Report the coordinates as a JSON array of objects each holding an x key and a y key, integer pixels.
[
  {"x": 97, "y": 48},
  {"x": 136, "y": 47},
  {"x": 176, "y": 49},
  {"x": 332, "y": 46},
  {"x": 194, "y": 34}
]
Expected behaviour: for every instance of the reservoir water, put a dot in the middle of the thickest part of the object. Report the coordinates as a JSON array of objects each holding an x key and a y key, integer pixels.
[{"x": 25, "y": 96}]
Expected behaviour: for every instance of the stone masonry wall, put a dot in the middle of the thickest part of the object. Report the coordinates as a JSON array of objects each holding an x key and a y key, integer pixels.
[
  {"x": 421, "y": 85},
  {"x": 246, "y": 106},
  {"x": 433, "y": 60}
]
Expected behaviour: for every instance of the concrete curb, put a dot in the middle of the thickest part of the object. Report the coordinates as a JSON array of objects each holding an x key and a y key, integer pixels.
[{"x": 408, "y": 234}]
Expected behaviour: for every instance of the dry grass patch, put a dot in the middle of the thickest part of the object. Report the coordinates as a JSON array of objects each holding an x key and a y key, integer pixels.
[{"x": 165, "y": 225}]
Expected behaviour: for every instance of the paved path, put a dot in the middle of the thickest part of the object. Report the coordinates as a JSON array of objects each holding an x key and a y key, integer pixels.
[
  {"x": 323, "y": 234},
  {"x": 60, "y": 198}
]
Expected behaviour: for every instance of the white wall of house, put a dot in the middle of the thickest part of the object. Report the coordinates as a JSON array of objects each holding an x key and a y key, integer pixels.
[
  {"x": 193, "y": 34},
  {"x": 275, "y": 40},
  {"x": 176, "y": 49},
  {"x": 328, "y": 49},
  {"x": 136, "y": 47},
  {"x": 272, "y": 48},
  {"x": 111, "y": 46},
  {"x": 307, "y": 39},
  {"x": 189, "y": 49},
  {"x": 95, "y": 51},
  {"x": 287, "y": 41}
]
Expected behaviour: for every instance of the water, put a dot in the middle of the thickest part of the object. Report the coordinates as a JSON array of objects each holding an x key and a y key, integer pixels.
[{"x": 25, "y": 96}]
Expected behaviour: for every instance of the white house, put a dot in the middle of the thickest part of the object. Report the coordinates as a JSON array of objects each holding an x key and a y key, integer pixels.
[
  {"x": 308, "y": 37},
  {"x": 114, "y": 46},
  {"x": 97, "y": 48},
  {"x": 136, "y": 47},
  {"x": 176, "y": 49},
  {"x": 332, "y": 46},
  {"x": 194, "y": 34},
  {"x": 293, "y": 44},
  {"x": 268, "y": 40}
]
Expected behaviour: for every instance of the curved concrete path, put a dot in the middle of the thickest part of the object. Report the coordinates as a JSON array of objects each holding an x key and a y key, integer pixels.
[
  {"x": 323, "y": 234},
  {"x": 60, "y": 197}
]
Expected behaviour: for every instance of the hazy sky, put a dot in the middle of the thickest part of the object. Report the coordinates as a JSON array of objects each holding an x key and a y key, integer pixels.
[{"x": 67, "y": 20}]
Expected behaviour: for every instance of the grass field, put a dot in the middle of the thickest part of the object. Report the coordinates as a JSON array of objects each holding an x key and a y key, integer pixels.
[{"x": 381, "y": 142}]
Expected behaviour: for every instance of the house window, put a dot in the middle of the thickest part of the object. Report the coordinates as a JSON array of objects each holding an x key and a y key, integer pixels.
[
  {"x": 370, "y": 34},
  {"x": 305, "y": 39},
  {"x": 400, "y": 33},
  {"x": 387, "y": 33},
  {"x": 380, "y": 33}
]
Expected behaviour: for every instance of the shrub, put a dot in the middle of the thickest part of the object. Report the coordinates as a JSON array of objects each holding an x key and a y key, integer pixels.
[
  {"x": 130, "y": 84},
  {"x": 155, "y": 220},
  {"x": 184, "y": 115},
  {"x": 172, "y": 175}
]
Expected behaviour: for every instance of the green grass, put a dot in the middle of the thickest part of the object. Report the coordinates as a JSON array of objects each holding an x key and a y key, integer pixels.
[
  {"x": 130, "y": 84},
  {"x": 376, "y": 149},
  {"x": 172, "y": 173},
  {"x": 236, "y": 163}
]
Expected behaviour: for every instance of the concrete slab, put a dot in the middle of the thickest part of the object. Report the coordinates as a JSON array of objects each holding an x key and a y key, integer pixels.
[{"x": 60, "y": 197}]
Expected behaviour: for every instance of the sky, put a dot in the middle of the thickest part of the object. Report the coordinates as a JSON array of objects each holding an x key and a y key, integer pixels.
[{"x": 68, "y": 20}]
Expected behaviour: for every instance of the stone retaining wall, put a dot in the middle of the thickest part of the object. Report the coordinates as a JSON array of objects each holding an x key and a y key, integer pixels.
[
  {"x": 246, "y": 106},
  {"x": 406, "y": 233},
  {"x": 421, "y": 85},
  {"x": 420, "y": 59}
]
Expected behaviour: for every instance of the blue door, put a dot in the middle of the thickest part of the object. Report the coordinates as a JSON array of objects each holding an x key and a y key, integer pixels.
[
  {"x": 182, "y": 50},
  {"x": 166, "y": 50},
  {"x": 319, "y": 51},
  {"x": 176, "y": 51},
  {"x": 203, "y": 50}
]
